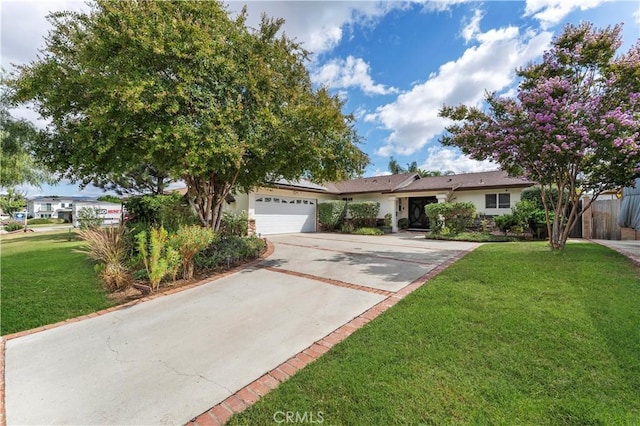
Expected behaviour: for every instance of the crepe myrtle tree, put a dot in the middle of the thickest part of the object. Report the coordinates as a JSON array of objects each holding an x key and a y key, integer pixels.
[
  {"x": 574, "y": 125},
  {"x": 188, "y": 89}
]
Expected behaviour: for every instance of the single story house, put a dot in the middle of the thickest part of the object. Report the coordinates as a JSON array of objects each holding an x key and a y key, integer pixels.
[
  {"x": 289, "y": 207},
  {"x": 67, "y": 208}
]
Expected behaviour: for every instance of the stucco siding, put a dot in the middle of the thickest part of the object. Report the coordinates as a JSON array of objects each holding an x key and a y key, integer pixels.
[{"x": 478, "y": 199}]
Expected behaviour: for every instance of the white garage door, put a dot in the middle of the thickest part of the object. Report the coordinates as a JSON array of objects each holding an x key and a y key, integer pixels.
[{"x": 281, "y": 215}]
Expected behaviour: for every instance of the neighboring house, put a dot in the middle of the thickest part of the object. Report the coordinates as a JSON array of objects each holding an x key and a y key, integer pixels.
[
  {"x": 289, "y": 207},
  {"x": 52, "y": 207},
  {"x": 67, "y": 208}
]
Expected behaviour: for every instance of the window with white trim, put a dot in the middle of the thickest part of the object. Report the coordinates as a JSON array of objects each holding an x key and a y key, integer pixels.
[{"x": 500, "y": 201}]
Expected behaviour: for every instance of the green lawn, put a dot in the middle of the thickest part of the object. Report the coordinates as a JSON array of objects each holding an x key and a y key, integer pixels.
[
  {"x": 511, "y": 334},
  {"x": 43, "y": 281}
]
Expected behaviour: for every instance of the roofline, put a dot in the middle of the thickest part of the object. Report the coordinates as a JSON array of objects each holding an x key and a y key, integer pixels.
[
  {"x": 464, "y": 188},
  {"x": 299, "y": 188}
]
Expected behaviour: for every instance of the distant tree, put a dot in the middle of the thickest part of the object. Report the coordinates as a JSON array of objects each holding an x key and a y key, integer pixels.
[
  {"x": 573, "y": 127},
  {"x": 185, "y": 88},
  {"x": 141, "y": 179},
  {"x": 395, "y": 168},
  {"x": 413, "y": 167},
  {"x": 12, "y": 202},
  {"x": 109, "y": 199},
  {"x": 431, "y": 173},
  {"x": 17, "y": 165}
]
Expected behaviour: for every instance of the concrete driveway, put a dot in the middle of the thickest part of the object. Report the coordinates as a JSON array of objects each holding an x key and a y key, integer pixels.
[{"x": 167, "y": 360}]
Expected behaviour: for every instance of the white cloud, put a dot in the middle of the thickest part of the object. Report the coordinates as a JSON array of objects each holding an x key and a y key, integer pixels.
[
  {"x": 413, "y": 117},
  {"x": 496, "y": 35},
  {"x": 472, "y": 28},
  {"x": 551, "y": 12},
  {"x": 444, "y": 159},
  {"x": 378, "y": 172},
  {"x": 440, "y": 5},
  {"x": 471, "y": 31},
  {"x": 318, "y": 25},
  {"x": 636, "y": 15},
  {"x": 347, "y": 73}
]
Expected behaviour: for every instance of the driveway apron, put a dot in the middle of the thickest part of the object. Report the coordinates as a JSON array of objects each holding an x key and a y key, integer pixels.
[{"x": 167, "y": 360}]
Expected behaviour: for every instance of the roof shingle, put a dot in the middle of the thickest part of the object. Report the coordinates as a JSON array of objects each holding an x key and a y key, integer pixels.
[
  {"x": 374, "y": 184},
  {"x": 480, "y": 180}
]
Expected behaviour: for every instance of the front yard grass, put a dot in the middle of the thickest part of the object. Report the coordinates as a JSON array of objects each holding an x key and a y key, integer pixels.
[
  {"x": 511, "y": 334},
  {"x": 43, "y": 281}
]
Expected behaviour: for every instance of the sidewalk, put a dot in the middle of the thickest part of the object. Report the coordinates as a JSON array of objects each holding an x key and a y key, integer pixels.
[{"x": 630, "y": 248}]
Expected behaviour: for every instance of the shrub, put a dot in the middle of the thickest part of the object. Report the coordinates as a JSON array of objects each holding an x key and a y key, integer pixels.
[
  {"x": 535, "y": 194},
  {"x": 188, "y": 241},
  {"x": 44, "y": 221},
  {"x": 331, "y": 214},
  {"x": 227, "y": 251},
  {"x": 479, "y": 237},
  {"x": 387, "y": 220},
  {"x": 108, "y": 247},
  {"x": 234, "y": 224},
  {"x": 89, "y": 218},
  {"x": 13, "y": 226},
  {"x": 463, "y": 215},
  {"x": 368, "y": 231},
  {"x": 158, "y": 257},
  {"x": 538, "y": 224},
  {"x": 456, "y": 217},
  {"x": 169, "y": 211},
  {"x": 507, "y": 222},
  {"x": 403, "y": 223},
  {"x": 347, "y": 227},
  {"x": 364, "y": 213},
  {"x": 531, "y": 216}
]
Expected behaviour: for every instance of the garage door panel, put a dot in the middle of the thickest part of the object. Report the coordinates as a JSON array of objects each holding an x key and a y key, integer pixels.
[{"x": 279, "y": 215}]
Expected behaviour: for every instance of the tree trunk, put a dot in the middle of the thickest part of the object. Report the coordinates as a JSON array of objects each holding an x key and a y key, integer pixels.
[
  {"x": 207, "y": 195},
  {"x": 556, "y": 233},
  {"x": 187, "y": 270}
]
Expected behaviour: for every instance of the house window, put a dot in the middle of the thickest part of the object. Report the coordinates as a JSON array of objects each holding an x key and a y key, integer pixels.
[
  {"x": 501, "y": 201},
  {"x": 504, "y": 201}
]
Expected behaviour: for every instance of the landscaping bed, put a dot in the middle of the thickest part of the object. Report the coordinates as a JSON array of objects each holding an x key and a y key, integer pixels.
[{"x": 476, "y": 237}]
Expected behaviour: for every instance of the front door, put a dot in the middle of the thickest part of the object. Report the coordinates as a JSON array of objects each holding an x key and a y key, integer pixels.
[{"x": 417, "y": 216}]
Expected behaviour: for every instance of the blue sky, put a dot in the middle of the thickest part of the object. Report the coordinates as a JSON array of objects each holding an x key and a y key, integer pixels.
[{"x": 394, "y": 63}]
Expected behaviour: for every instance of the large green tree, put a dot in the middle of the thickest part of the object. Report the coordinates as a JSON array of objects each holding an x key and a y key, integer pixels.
[
  {"x": 186, "y": 88},
  {"x": 573, "y": 127},
  {"x": 140, "y": 179},
  {"x": 17, "y": 165}
]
